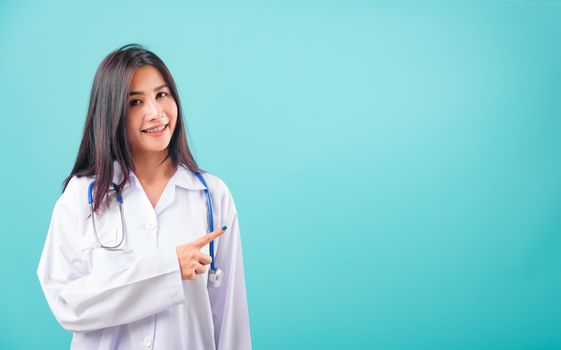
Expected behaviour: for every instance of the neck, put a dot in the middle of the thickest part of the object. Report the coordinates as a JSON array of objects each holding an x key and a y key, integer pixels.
[{"x": 150, "y": 167}]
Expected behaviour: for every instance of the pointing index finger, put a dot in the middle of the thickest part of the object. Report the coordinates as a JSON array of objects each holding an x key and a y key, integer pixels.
[{"x": 206, "y": 239}]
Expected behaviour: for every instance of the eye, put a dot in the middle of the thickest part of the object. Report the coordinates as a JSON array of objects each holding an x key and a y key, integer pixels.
[{"x": 137, "y": 102}]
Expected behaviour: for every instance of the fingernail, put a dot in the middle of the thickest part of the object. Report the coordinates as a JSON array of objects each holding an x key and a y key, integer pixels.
[{"x": 224, "y": 228}]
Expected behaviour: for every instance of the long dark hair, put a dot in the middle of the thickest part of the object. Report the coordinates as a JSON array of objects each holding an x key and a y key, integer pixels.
[{"x": 105, "y": 139}]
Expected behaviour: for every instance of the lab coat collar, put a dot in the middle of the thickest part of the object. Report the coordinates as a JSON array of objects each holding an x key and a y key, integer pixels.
[
  {"x": 118, "y": 175},
  {"x": 187, "y": 179},
  {"x": 183, "y": 177}
]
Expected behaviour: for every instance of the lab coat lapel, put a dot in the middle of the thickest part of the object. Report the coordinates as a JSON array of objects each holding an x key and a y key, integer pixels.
[
  {"x": 182, "y": 178},
  {"x": 167, "y": 197}
]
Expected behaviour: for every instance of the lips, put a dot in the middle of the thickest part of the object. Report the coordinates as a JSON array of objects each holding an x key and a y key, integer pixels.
[{"x": 156, "y": 128}]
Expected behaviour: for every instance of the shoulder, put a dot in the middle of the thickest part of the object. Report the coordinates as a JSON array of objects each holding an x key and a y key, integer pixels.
[
  {"x": 76, "y": 186},
  {"x": 220, "y": 193},
  {"x": 190, "y": 180},
  {"x": 215, "y": 183},
  {"x": 222, "y": 198},
  {"x": 75, "y": 195}
]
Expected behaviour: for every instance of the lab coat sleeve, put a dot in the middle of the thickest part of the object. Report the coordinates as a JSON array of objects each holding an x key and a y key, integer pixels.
[
  {"x": 83, "y": 301},
  {"x": 229, "y": 302}
]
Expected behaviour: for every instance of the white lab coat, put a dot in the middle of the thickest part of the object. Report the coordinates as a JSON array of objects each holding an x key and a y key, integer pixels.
[{"x": 137, "y": 300}]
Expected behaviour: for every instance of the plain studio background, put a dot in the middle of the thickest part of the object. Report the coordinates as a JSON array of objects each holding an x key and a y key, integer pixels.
[{"x": 396, "y": 166}]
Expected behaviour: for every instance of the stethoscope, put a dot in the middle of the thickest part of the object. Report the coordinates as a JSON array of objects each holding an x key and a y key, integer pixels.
[{"x": 215, "y": 275}]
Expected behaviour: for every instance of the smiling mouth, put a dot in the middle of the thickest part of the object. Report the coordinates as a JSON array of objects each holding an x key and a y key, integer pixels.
[{"x": 154, "y": 130}]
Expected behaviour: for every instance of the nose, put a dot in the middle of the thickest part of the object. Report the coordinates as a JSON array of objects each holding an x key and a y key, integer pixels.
[{"x": 152, "y": 110}]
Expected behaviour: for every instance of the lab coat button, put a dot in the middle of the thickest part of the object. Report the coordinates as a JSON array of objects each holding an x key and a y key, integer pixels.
[
  {"x": 147, "y": 342},
  {"x": 150, "y": 225}
]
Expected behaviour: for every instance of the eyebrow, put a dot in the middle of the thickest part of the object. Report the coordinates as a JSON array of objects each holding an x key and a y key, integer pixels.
[{"x": 142, "y": 93}]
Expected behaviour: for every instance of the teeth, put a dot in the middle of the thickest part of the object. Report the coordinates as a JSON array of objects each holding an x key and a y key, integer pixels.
[{"x": 156, "y": 129}]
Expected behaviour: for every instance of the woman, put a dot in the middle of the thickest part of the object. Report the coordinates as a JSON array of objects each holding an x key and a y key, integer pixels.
[{"x": 135, "y": 275}]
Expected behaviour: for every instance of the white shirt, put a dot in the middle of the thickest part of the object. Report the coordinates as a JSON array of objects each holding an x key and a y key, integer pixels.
[{"x": 137, "y": 300}]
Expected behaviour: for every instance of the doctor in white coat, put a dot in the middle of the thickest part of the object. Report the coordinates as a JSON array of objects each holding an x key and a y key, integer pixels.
[{"x": 152, "y": 291}]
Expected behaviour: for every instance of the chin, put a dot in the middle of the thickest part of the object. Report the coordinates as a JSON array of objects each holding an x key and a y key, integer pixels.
[
  {"x": 151, "y": 148},
  {"x": 163, "y": 149}
]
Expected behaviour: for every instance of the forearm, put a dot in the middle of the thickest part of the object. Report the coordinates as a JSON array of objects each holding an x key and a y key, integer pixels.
[{"x": 150, "y": 284}]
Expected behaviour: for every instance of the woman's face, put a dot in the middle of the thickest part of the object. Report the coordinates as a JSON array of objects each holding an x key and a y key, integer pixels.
[{"x": 151, "y": 107}]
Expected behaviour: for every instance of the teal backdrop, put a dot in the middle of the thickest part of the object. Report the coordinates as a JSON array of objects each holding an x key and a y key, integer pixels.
[{"x": 396, "y": 165}]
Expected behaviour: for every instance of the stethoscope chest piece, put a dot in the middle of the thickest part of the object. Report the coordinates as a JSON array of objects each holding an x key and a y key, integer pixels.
[{"x": 215, "y": 278}]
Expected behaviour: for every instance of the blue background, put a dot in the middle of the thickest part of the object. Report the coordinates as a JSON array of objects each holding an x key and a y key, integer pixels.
[{"x": 396, "y": 165}]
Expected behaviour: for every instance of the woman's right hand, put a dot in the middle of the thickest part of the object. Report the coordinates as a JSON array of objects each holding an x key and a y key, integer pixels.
[{"x": 191, "y": 260}]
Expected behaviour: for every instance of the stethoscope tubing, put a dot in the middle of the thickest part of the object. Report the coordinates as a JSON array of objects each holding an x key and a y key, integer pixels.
[{"x": 120, "y": 202}]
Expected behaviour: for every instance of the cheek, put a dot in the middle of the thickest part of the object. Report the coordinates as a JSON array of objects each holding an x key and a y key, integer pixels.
[
  {"x": 172, "y": 110},
  {"x": 172, "y": 113},
  {"x": 173, "y": 123},
  {"x": 132, "y": 127},
  {"x": 133, "y": 121}
]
